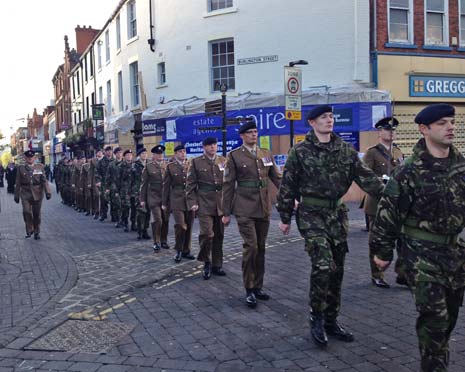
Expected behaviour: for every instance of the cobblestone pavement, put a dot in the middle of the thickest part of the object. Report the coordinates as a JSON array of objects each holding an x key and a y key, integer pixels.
[{"x": 85, "y": 269}]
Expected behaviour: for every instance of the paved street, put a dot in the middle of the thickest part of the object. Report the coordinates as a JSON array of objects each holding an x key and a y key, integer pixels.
[{"x": 84, "y": 272}]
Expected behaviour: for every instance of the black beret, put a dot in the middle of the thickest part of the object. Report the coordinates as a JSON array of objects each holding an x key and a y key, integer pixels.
[
  {"x": 158, "y": 149},
  {"x": 140, "y": 151},
  {"x": 179, "y": 147},
  {"x": 108, "y": 148},
  {"x": 389, "y": 123},
  {"x": 434, "y": 112},
  {"x": 209, "y": 141},
  {"x": 118, "y": 149},
  {"x": 29, "y": 154},
  {"x": 247, "y": 126},
  {"x": 318, "y": 110},
  {"x": 127, "y": 152}
]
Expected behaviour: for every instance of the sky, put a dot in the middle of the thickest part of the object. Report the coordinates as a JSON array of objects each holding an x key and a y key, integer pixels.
[{"x": 32, "y": 44}]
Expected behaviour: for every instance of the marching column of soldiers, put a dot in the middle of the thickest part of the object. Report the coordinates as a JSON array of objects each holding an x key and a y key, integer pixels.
[{"x": 415, "y": 206}]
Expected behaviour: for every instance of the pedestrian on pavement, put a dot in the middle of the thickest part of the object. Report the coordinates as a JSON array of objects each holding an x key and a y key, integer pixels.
[
  {"x": 125, "y": 191},
  {"x": 113, "y": 186},
  {"x": 101, "y": 181},
  {"x": 382, "y": 159},
  {"x": 151, "y": 194},
  {"x": 30, "y": 187},
  {"x": 204, "y": 197},
  {"x": 424, "y": 205},
  {"x": 246, "y": 195},
  {"x": 318, "y": 172},
  {"x": 142, "y": 212},
  {"x": 174, "y": 200},
  {"x": 10, "y": 175}
]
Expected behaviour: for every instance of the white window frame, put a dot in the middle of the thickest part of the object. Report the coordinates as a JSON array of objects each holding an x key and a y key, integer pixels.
[
  {"x": 118, "y": 32},
  {"x": 161, "y": 68},
  {"x": 108, "y": 99},
  {"x": 212, "y": 84},
  {"x": 120, "y": 91},
  {"x": 100, "y": 94},
  {"x": 107, "y": 46},
  {"x": 209, "y": 5},
  {"x": 134, "y": 82},
  {"x": 445, "y": 24},
  {"x": 131, "y": 8},
  {"x": 78, "y": 84},
  {"x": 99, "y": 54},
  {"x": 410, "y": 35},
  {"x": 461, "y": 35}
]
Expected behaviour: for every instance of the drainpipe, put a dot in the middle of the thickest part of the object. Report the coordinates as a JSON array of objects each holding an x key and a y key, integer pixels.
[{"x": 151, "y": 41}]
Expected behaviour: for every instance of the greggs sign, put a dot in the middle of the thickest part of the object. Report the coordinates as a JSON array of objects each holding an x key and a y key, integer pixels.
[{"x": 437, "y": 86}]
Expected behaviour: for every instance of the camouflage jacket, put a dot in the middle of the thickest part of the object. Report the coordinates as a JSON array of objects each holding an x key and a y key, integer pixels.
[
  {"x": 136, "y": 177},
  {"x": 324, "y": 171},
  {"x": 125, "y": 174},
  {"x": 112, "y": 177},
  {"x": 101, "y": 170},
  {"x": 428, "y": 195}
]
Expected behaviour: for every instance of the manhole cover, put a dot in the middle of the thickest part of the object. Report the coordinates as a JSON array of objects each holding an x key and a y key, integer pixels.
[{"x": 82, "y": 337}]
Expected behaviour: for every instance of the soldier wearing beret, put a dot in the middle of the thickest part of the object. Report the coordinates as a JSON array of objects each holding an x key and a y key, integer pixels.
[
  {"x": 247, "y": 174},
  {"x": 382, "y": 159},
  {"x": 204, "y": 196},
  {"x": 174, "y": 200},
  {"x": 101, "y": 181},
  {"x": 30, "y": 187},
  {"x": 113, "y": 186},
  {"x": 125, "y": 191},
  {"x": 151, "y": 193},
  {"x": 424, "y": 205},
  {"x": 317, "y": 173}
]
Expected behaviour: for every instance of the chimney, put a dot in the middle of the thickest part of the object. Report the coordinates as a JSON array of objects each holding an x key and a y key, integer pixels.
[{"x": 84, "y": 36}]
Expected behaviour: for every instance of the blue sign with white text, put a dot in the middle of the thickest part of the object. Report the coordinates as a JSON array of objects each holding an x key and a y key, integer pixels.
[{"x": 437, "y": 86}]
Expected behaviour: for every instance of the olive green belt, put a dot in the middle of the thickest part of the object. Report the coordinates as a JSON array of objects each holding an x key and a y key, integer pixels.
[
  {"x": 209, "y": 187},
  {"x": 417, "y": 233},
  {"x": 310, "y": 201},
  {"x": 252, "y": 184}
]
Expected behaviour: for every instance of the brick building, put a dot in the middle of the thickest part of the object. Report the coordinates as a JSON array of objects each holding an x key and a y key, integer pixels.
[{"x": 418, "y": 53}]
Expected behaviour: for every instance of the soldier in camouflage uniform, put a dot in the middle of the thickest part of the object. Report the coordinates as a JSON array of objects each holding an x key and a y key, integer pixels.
[
  {"x": 424, "y": 205},
  {"x": 101, "y": 181},
  {"x": 382, "y": 159},
  {"x": 143, "y": 214},
  {"x": 86, "y": 186},
  {"x": 318, "y": 172},
  {"x": 95, "y": 191},
  {"x": 113, "y": 186},
  {"x": 126, "y": 188}
]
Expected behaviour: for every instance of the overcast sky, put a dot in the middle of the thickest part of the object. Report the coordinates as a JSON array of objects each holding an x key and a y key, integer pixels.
[{"x": 32, "y": 43}]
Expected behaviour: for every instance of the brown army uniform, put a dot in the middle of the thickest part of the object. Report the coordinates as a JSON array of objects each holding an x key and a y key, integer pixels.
[
  {"x": 30, "y": 187},
  {"x": 85, "y": 185},
  {"x": 204, "y": 188},
  {"x": 246, "y": 195},
  {"x": 94, "y": 190},
  {"x": 377, "y": 158},
  {"x": 151, "y": 193},
  {"x": 174, "y": 198}
]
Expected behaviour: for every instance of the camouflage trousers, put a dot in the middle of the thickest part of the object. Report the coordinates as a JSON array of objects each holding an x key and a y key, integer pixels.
[
  {"x": 125, "y": 199},
  {"x": 142, "y": 218},
  {"x": 115, "y": 205},
  {"x": 438, "y": 308}
]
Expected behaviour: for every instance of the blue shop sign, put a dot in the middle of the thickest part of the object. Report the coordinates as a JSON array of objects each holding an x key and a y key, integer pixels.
[{"x": 437, "y": 86}]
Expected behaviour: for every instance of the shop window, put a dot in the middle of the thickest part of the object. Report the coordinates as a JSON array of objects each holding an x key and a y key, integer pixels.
[
  {"x": 222, "y": 64},
  {"x": 436, "y": 22},
  {"x": 400, "y": 21}
]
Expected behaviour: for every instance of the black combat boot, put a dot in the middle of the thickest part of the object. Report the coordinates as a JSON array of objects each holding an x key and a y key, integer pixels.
[
  {"x": 207, "y": 270},
  {"x": 333, "y": 328},
  {"x": 318, "y": 330}
]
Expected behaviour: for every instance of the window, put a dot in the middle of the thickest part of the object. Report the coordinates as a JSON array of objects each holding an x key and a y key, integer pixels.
[
  {"x": 219, "y": 4},
  {"x": 91, "y": 62},
  {"x": 92, "y": 100},
  {"x": 118, "y": 32},
  {"x": 400, "y": 21},
  {"x": 462, "y": 22},
  {"x": 99, "y": 54},
  {"x": 222, "y": 62},
  {"x": 85, "y": 69},
  {"x": 74, "y": 88},
  {"x": 107, "y": 46},
  {"x": 134, "y": 79},
  {"x": 120, "y": 91},
  {"x": 100, "y": 95},
  {"x": 436, "y": 22},
  {"x": 109, "y": 97},
  {"x": 161, "y": 74},
  {"x": 132, "y": 22},
  {"x": 87, "y": 108},
  {"x": 78, "y": 83}
]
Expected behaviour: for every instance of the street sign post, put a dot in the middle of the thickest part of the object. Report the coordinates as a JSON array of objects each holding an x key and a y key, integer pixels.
[{"x": 293, "y": 97}]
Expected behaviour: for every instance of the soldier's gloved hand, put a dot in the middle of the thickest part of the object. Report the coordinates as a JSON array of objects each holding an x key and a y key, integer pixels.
[
  {"x": 17, "y": 200},
  {"x": 48, "y": 196}
]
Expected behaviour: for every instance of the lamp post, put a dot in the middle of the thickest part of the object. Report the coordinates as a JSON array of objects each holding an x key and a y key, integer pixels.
[{"x": 293, "y": 89}]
